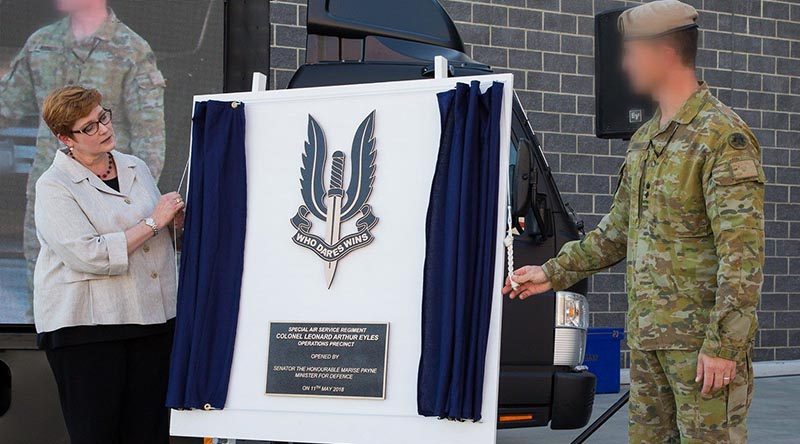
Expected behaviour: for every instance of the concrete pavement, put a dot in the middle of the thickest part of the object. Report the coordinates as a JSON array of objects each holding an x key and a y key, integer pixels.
[{"x": 773, "y": 419}]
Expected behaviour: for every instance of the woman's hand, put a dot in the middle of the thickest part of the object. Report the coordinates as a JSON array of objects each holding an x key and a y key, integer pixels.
[{"x": 166, "y": 209}]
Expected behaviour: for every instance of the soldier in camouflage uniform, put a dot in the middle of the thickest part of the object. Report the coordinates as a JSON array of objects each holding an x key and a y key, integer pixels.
[
  {"x": 689, "y": 217},
  {"x": 114, "y": 60}
]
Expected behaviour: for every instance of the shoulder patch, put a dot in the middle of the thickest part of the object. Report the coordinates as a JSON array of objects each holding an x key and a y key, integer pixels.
[
  {"x": 744, "y": 169},
  {"x": 738, "y": 141},
  {"x": 739, "y": 170}
]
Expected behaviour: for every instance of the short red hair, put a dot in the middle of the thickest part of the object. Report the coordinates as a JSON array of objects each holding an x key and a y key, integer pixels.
[{"x": 65, "y": 106}]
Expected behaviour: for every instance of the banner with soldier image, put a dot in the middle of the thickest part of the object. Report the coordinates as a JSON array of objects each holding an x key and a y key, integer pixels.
[{"x": 145, "y": 57}]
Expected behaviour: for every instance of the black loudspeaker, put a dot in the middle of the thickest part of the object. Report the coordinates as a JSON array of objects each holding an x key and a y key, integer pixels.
[
  {"x": 618, "y": 112},
  {"x": 247, "y": 42}
]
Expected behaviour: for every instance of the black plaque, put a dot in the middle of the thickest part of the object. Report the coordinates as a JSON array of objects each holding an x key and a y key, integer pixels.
[{"x": 327, "y": 359}]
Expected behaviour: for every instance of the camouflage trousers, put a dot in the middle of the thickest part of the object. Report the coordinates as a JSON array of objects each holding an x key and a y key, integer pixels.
[
  {"x": 30, "y": 248},
  {"x": 666, "y": 405}
]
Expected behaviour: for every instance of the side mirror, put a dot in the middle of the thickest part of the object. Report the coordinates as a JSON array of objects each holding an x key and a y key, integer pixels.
[{"x": 524, "y": 184}]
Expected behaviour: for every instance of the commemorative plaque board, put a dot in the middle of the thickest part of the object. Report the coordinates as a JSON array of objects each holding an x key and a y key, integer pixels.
[
  {"x": 346, "y": 360},
  {"x": 343, "y": 177}
]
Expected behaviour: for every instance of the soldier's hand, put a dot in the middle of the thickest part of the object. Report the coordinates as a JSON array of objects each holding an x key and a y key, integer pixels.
[
  {"x": 715, "y": 373},
  {"x": 532, "y": 281}
]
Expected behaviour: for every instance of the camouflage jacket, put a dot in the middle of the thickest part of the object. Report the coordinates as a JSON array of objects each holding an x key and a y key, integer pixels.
[
  {"x": 116, "y": 61},
  {"x": 689, "y": 217}
]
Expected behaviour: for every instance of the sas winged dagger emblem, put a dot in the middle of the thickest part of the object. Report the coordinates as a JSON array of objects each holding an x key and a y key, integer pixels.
[{"x": 336, "y": 204}]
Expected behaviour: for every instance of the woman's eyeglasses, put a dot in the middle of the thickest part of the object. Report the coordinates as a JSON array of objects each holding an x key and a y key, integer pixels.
[{"x": 91, "y": 128}]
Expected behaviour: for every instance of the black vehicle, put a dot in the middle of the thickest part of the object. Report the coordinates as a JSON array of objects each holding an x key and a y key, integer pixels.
[{"x": 543, "y": 341}]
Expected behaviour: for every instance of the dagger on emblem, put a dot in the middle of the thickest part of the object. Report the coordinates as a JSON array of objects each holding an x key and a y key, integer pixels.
[{"x": 334, "y": 216}]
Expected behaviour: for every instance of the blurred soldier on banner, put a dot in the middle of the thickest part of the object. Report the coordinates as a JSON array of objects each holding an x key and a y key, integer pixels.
[{"x": 92, "y": 48}]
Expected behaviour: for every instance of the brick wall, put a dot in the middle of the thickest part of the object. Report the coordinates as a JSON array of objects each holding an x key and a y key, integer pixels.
[{"x": 750, "y": 57}]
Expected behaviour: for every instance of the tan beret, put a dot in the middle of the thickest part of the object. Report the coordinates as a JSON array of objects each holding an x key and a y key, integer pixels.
[{"x": 657, "y": 18}]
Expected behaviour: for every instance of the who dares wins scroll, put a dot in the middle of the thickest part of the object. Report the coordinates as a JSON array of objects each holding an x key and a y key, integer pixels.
[{"x": 327, "y": 359}]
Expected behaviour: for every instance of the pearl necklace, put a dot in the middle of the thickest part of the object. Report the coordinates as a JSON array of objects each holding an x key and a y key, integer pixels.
[{"x": 110, "y": 165}]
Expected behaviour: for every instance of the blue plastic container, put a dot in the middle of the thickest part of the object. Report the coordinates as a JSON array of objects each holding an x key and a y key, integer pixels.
[{"x": 603, "y": 357}]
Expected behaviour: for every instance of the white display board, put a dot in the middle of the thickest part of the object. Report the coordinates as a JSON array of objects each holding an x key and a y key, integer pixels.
[{"x": 380, "y": 283}]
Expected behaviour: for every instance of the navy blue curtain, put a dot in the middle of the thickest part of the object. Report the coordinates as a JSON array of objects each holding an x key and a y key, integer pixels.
[
  {"x": 211, "y": 260},
  {"x": 461, "y": 236}
]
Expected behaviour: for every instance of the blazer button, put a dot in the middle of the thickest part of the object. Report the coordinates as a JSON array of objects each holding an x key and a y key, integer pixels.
[
  {"x": 127, "y": 201},
  {"x": 146, "y": 248},
  {"x": 154, "y": 275}
]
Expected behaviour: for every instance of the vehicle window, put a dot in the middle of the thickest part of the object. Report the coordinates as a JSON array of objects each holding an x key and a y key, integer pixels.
[{"x": 523, "y": 224}]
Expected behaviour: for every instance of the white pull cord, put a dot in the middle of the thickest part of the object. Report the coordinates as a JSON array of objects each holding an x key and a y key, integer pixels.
[
  {"x": 174, "y": 227},
  {"x": 509, "y": 240}
]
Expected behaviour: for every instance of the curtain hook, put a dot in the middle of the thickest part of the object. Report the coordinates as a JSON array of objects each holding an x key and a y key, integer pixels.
[{"x": 234, "y": 105}]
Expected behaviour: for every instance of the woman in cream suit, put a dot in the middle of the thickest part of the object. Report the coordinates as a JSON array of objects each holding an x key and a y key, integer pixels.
[{"x": 104, "y": 284}]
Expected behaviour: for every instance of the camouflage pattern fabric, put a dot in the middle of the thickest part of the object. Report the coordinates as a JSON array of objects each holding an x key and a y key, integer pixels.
[
  {"x": 666, "y": 405},
  {"x": 117, "y": 62},
  {"x": 689, "y": 217}
]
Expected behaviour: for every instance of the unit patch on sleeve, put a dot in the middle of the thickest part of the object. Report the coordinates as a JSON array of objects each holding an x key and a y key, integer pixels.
[
  {"x": 744, "y": 169},
  {"x": 738, "y": 141}
]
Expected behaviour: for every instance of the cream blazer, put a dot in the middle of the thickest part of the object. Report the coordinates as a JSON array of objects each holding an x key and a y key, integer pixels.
[{"x": 84, "y": 275}]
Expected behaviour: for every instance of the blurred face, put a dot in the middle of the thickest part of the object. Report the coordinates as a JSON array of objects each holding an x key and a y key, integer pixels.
[
  {"x": 72, "y": 6},
  {"x": 647, "y": 63},
  {"x": 93, "y": 135}
]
